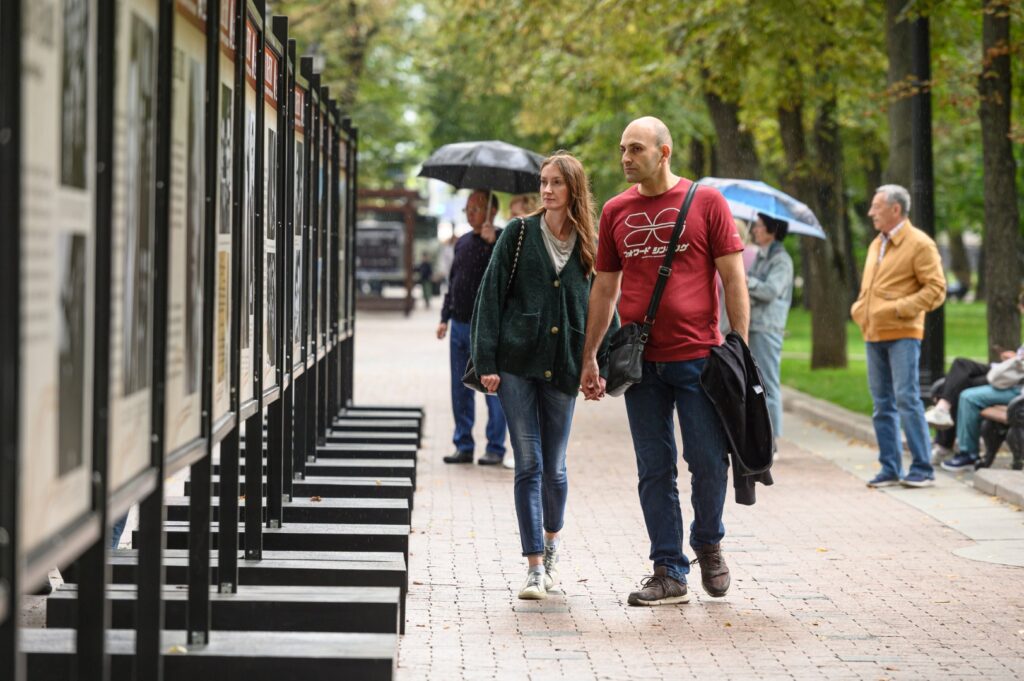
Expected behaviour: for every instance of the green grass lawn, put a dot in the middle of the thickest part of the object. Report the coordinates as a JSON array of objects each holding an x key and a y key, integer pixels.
[{"x": 966, "y": 336}]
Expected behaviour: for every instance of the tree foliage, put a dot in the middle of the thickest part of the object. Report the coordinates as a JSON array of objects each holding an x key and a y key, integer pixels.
[{"x": 795, "y": 93}]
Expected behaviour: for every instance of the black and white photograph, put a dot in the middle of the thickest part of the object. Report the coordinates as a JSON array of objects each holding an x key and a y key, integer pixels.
[
  {"x": 249, "y": 230},
  {"x": 194, "y": 229},
  {"x": 223, "y": 311},
  {"x": 74, "y": 89},
  {"x": 271, "y": 169},
  {"x": 299, "y": 188},
  {"x": 71, "y": 259},
  {"x": 137, "y": 253},
  {"x": 297, "y": 295},
  {"x": 271, "y": 321},
  {"x": 224, "y": 163}
]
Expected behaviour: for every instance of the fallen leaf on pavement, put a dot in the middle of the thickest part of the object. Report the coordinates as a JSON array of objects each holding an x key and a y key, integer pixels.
[{"x": 315, "y": 499}]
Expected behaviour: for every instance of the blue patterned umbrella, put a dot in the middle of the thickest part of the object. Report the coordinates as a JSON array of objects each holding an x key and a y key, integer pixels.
[{"x": 747, "y": 198}]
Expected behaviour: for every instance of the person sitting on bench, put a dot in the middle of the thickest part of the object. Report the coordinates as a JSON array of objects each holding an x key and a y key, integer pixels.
[{"x": 963, "y": 374}]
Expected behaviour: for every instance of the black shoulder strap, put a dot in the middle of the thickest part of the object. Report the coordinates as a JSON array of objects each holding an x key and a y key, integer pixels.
[
  {"x": 515, "y": 260},
  {"x": 666, "y": 265}
]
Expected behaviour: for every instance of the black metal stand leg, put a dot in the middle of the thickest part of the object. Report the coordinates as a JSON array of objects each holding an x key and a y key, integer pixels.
[
  {"x": 199, "y": 552},
  {"x": 93, "y": 612},
  {"x": 254, "y": 487},
  {"x": 149, "y": 616},
  {"x": 275, "y": 482},
  {"x": 227, "y": 533}
]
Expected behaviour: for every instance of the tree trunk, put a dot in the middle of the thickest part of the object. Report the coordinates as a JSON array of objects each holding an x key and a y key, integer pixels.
[
  {"x": 897, "y": 42},
  {"x": 825, "y": 262},
  {"x": 1002, "y": 219},
  {"x": 829, "y": 267},
  {"x": 873, "y": 178},
  {"x": 735, "y": 150},
  {"x": 698, "y": 158},
  {"x": 958, "y": 260}
]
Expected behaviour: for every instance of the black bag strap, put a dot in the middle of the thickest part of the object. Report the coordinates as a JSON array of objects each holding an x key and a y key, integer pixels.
[
  {"x": 666, "y": 265},
  {"x": 515, "y": 260}
]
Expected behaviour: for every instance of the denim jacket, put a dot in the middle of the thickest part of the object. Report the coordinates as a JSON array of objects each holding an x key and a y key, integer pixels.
[{"x": 770, "y": 283}]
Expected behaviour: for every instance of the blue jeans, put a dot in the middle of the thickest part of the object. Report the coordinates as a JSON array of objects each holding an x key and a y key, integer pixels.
[
  {"x": 464, "y": 399},
  {"x": 117, "y": 530},
  {"x": 894, "y": 384},
  {"x": 766, "y": 347},
  {"x": 669, "y": 387},
  {"x": 539, "y": 419},
  {"x": 968, "y": 414}
]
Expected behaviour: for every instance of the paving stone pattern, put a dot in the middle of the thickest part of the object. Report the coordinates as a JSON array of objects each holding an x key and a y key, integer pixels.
[{"x": 830, "y": 579}]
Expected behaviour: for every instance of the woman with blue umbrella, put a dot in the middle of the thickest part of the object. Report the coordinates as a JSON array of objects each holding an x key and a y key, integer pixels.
[{"x": 770, "y": 283}]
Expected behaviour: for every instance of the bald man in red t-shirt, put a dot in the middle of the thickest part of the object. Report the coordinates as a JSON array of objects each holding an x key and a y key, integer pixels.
[{"x": 635, "y": 228}]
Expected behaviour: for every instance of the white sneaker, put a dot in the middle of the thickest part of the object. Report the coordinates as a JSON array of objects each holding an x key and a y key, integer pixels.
[
  {"x": 938, "y": 418},
  {"x": 533, "y": 588},
  {"x": 551, "y": 565},
  {"x": 509, "y": 462}
]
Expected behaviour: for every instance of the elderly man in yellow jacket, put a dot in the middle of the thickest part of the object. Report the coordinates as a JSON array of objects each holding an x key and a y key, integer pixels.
[{"x": 903, "y": 279}]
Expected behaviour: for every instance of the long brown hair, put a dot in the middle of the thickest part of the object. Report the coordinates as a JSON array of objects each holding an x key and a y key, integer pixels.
[{"x": 581, "y": 204}]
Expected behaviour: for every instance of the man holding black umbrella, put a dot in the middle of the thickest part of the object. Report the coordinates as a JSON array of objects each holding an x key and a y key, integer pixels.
[{"x": 472, "y": 253}]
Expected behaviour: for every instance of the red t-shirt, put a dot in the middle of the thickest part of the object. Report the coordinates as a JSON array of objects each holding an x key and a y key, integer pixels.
[{"x": 634, "y": 232}]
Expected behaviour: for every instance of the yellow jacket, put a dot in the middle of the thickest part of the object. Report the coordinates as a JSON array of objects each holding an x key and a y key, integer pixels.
[{"x": 896, "y": 293}]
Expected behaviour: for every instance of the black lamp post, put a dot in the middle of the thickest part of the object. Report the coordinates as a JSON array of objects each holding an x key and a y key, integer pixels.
[{"x": 923, "y": 194}]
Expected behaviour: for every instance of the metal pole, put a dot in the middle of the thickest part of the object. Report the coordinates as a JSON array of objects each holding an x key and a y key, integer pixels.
[{"x": 932, "y": 363}]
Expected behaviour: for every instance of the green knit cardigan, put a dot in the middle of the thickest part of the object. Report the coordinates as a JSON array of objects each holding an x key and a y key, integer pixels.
[{"x": 539, "y": 331}]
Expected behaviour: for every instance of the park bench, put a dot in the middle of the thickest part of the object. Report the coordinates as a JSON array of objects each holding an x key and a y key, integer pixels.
[{"x": 1003, "y": 423}]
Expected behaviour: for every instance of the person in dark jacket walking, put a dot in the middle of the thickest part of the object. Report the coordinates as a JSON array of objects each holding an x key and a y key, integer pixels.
[
  {"x": 472, "y": 254},
  {"x": 528, "y": 345},
  {"x": 635, "y": 226}
]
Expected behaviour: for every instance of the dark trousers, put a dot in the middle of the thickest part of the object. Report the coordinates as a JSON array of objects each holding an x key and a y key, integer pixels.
[{"x": 963, "y": 374}]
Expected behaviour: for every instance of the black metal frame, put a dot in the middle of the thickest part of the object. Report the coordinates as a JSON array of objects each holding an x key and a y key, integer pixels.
[
  {"x": 200, "y": 475},
  {"x": 254, "y": 424},
  {"x": 11, "y": 661},
  {"x": 288, "y": 248},
  {"x": 274, "y": 399},
  {"x": 299, "y": 374},
  {"x": 312, "y": 256}
]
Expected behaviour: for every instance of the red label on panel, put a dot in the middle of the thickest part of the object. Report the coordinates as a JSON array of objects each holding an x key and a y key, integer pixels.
[
  {"x": 270, "y": 66},
  {"x": 300, "y": 101},
  {"x": 250, "y": 53}
]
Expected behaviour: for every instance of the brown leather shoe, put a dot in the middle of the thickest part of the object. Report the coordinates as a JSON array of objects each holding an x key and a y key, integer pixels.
[
  {"x": 660, "y": 589},
  {"x": 714, "y": 573}
]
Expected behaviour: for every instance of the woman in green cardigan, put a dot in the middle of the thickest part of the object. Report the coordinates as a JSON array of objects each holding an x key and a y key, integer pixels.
[{"x": 527, "y": 345}]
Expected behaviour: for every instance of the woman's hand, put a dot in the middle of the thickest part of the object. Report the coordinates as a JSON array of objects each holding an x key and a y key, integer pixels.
[{"x": 491, "y": 382}]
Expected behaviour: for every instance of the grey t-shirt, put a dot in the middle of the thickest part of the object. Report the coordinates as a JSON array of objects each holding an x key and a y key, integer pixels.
[{"x": 557, "y": 249}]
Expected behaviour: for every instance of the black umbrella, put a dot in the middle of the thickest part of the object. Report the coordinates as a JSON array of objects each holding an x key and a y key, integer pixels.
[{"x": 490, "y": 165}]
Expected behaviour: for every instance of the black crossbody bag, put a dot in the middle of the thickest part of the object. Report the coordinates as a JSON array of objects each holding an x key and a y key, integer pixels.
[
  {"x": 470, "y": 378},
  {"x": 626, "y": 347}
]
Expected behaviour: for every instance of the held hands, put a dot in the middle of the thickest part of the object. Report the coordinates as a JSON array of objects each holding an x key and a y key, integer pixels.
[
  {"x": 491, "y": 382},
  {"x": 591, "y": 383},
  {"x": 442, "y": 330}
]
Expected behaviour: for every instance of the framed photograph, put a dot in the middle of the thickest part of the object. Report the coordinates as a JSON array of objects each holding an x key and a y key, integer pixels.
[
  {"x": 139, "y": 207},
  {"x": 182, "y": 399},
  {"x": 55, "y": 313},
  {"x": 222, "y": 378},
  {"x": 74, "y": 88},
  {"x": 133, "y": 232}
]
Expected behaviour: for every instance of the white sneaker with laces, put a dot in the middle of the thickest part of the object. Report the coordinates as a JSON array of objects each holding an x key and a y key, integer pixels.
[
  {"x": 938, "y": 418},
  {"x": 533, "y": 588},
  {"x": 551, "y": 565}
]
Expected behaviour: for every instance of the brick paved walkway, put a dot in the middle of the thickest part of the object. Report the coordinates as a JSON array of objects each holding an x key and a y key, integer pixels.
[{"x": 830, "y": 579}]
